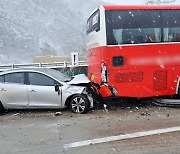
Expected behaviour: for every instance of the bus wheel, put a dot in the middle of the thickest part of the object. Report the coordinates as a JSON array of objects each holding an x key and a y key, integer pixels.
[{"x": 79, "y": 103}]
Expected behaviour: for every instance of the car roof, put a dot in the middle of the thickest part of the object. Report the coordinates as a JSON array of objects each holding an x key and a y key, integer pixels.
[
  {"x": 50, "y": 72},
  {"x": 34, "y": 69}
]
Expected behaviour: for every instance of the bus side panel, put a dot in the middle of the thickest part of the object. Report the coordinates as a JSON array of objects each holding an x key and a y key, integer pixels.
[
  {"x": 141, "y": 83},
  {"x": 147, "y": 71}
]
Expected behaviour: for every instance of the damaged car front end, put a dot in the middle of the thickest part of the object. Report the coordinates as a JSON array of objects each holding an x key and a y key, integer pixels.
[{"x": 76, "y": 94}]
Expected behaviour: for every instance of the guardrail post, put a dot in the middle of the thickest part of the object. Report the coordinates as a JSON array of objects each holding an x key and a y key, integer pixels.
[
  {"x": 65, "y": 64},
  {"x": 75, "y": 58},
  {"x": 40, "y": 65}
]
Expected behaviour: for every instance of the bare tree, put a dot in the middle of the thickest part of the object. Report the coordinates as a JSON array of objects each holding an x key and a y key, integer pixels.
[{"x": 158, "y": 2}]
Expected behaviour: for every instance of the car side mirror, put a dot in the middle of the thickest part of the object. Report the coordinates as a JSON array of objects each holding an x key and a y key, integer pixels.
[{"x": 56, "y": 87}]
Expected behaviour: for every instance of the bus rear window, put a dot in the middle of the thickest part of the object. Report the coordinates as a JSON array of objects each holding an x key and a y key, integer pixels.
[{"x": 93, "y": 23}]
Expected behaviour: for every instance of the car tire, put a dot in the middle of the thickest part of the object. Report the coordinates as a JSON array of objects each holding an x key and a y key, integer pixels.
[
  {"x": 1, "y": 109},
  {"x": 79, "y": 103}
]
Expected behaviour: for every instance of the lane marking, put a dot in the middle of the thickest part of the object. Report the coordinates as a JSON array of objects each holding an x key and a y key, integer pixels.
[{"x": 121, "y": 137}]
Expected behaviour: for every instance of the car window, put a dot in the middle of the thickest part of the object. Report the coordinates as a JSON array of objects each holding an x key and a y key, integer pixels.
[
  {"x": 2, "y": 78},
  {"x": 14, "y": 78},
  {"x": 58, "y": 75},
  {"x": 40, "y": 79}
]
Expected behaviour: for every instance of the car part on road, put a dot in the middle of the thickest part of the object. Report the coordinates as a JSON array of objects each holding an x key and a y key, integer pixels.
[
  {"x": 145, "y": 114},
  {"x": 79, "y": 104},
  {"x": 58, "y": 113}
]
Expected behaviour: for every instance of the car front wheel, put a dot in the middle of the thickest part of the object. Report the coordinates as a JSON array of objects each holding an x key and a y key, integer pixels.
[{"x": 79, "y": 104}]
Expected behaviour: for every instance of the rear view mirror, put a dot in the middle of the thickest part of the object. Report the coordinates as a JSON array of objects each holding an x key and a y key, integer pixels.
[{"x": 56, "y": 88}]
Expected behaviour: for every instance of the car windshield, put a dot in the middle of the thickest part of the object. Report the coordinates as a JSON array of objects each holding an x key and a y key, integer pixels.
[{"x": 58, "y": 75}]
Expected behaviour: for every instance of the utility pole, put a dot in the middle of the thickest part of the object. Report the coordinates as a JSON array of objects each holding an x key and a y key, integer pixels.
[{"x": 159, "y": 2}]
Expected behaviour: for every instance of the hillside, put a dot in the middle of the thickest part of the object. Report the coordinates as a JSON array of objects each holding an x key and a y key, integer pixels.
[{"x": 42, "y": 27}]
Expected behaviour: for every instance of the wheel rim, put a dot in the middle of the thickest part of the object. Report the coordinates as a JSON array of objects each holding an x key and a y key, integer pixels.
[{"x": 78, "y": 105}]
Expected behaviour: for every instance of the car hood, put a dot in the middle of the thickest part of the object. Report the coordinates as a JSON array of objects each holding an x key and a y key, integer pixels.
[{"x": 79, "y": 79}]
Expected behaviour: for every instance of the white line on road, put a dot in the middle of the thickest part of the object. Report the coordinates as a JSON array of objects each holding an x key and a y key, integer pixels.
[{"x": 121, "y": 137}]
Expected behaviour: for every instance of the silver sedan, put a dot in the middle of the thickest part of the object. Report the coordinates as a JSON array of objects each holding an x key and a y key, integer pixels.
[{"x": 40, "y": 88}]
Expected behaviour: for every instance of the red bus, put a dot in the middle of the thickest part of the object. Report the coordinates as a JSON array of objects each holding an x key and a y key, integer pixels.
[{"x": 134, "y": 51}]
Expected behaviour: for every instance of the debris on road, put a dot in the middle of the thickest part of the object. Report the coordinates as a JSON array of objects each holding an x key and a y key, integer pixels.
[
  {"x": 67, "y": 125},
  {"x": 16, "y": 114},
  {"x": 58, "y": 113},
  {"x": 105, "y": 108},
  {"x": 114, "y": 149},
  {"x": 145, "y": 114}
]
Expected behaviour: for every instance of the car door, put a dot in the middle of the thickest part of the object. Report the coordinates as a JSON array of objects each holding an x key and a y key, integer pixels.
[
  {"x": 13, "y": 93},
  {"x": 41, "y": 91}
]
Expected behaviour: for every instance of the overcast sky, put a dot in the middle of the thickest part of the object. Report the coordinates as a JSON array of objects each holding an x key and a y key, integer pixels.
[{"x": 133, "y": 2}]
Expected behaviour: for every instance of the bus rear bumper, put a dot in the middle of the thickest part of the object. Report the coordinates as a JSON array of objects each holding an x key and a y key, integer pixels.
[{"x": 107, "y": 91}]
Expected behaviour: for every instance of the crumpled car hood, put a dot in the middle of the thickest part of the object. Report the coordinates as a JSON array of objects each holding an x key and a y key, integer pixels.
[{"x": 78, "y": 79}]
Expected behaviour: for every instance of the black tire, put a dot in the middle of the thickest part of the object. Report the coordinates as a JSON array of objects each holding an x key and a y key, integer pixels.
[
  {"x": 1, "y": 109},
  {"x": 79, "y": 104}
]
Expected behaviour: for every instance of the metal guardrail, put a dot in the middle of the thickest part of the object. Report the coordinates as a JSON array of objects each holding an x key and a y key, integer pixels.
[{"x": 44, "y": 65}]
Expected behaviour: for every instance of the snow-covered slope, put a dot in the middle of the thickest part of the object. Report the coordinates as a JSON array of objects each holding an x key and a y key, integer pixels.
[{"x": 30, "y": 28}]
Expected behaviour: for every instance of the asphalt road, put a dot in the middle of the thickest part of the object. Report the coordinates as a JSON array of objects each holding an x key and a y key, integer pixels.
[{"x": 31, "y": 132}]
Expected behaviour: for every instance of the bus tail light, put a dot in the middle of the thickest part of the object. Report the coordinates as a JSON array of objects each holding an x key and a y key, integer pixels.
[
  {"x": 107, "y": 91},
  {"x": 104, "y": 74}
]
